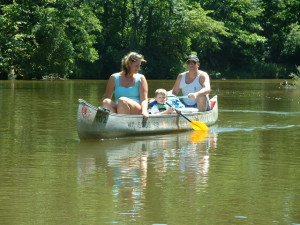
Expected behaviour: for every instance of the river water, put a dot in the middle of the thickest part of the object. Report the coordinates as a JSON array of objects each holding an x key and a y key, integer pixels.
[{"x": 245, "y": 170}]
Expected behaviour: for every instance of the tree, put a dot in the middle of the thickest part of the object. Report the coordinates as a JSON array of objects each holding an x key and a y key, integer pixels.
[
  {"x": 88, "y": 38},
  {"x": 291, "y": 45},
  {"x": 245, "y": 44},
  {"x": 280, "y": 19},
  {"x": 162, "y": 30},
  {"x": 47, "y": 37}
]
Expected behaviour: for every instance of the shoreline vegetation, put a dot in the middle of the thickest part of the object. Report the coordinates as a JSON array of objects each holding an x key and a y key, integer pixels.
[
  {"x": 57, "y": 40},
  {"x": 266, "y": 71}
]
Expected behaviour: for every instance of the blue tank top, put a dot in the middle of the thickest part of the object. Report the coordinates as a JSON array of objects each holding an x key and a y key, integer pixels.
[{"x": 132, "y": 92}]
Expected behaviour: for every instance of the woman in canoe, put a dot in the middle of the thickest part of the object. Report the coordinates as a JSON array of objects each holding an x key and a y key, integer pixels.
[{"x": 129, "y": 87}]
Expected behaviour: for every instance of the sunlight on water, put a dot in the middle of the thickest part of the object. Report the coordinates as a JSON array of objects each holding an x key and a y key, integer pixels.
[
  {"x": 244, "y": 170},
  {"x": 266, "y": 112},
  {"x": 237, "y": 129}
]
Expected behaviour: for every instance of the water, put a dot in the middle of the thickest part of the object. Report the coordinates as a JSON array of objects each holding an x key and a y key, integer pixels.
[{"x": 245, "y": 170}]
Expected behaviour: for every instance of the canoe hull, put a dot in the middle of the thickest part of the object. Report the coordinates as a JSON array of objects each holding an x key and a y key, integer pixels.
[{"x": 98, "y": 123}]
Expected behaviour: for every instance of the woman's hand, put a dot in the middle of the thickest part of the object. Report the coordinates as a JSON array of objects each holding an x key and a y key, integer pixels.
[{"x": 145, "y": 116}]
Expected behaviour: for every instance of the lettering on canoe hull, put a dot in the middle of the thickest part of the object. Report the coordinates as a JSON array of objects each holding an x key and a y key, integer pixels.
[
  {"x": 143, "y": 124},
  {"x": 101, "y": 119}
]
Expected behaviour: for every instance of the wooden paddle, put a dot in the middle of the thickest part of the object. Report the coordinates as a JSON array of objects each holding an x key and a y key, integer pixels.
[{"x": 196, "y": 125}]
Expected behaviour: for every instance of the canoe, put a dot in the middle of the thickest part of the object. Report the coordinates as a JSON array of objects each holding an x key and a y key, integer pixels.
[{"x": 99, "y": 123}]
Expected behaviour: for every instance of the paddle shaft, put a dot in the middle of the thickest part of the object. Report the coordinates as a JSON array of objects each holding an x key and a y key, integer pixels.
[
  {"x": 196, "y": 125},
  {"x": 179, "y": 113},
  {"x": 183, "y": 116},
  {"x": 180, "y": 97}
]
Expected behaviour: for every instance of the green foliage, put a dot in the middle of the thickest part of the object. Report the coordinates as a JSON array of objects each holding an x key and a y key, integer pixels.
[
  {"x": 88, "y": 38},
  {"x": 279, "y": 21},
  {"x": 292, "y": 43},
  {"x": 245, "y": 44},
  {"x": 46, "y": 37},
  {"x": 296, "y": 76},
  {"x": 164, "y": 31}
]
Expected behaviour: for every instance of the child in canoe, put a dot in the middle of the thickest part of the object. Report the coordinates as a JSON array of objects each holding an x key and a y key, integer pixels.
[{"x": 159, "y": 105}]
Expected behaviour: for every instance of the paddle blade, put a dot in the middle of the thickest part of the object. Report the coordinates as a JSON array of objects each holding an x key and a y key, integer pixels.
[
  {"x": 197, "y": 125},
  {"x": 198, "y": 136}
]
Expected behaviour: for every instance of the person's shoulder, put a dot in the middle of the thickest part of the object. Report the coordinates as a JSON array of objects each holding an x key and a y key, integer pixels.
[
  {"x": 114, "y": 77},
  {"x": 181, "y": 75},
  {"x": 116, "y": 74},
  {"x": 140, "y": 76},
  {"x": 203, "y": 73},
  {"x": 203, "y": 77}
]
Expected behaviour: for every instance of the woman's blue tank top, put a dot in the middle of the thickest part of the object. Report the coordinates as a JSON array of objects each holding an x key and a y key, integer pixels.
[{"x": 132, "y": 92}]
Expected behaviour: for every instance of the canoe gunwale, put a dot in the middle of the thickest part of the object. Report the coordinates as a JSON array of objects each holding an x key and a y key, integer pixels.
[{"x": 99, "y": 122}]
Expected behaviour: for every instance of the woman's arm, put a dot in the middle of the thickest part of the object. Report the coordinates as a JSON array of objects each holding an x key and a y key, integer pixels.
[
  {"x": 144, "y": 96},
  {"x": 109, "y": 87}
]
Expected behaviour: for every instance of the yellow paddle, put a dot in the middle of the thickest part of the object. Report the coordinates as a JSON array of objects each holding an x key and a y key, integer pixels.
[
  {"x": 196, "y": 125},
  {"x": 198, "y": 136}
]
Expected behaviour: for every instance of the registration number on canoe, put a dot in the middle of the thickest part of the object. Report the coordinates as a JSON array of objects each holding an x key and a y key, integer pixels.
[
  {"x": 143, "y": 124},
  {"x": 101, "y": 119}
]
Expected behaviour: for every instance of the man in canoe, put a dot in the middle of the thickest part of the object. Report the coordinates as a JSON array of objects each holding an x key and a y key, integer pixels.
[
  {"x": 195, "y": 84},
  {"x": 129, "y": 87}
]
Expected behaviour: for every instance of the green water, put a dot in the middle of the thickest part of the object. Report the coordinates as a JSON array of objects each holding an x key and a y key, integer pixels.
[{"x": 244, "y": 171}]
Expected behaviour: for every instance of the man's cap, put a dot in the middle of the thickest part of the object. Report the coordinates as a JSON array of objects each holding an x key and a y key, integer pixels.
[{"x": 192, "y": 58}]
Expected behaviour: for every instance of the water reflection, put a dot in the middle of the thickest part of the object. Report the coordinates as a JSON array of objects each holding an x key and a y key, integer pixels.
[
  {"x": 133, "y": 167},
  {"x": 250, "y": 177},
  {"x": 261, "y": 112}
]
